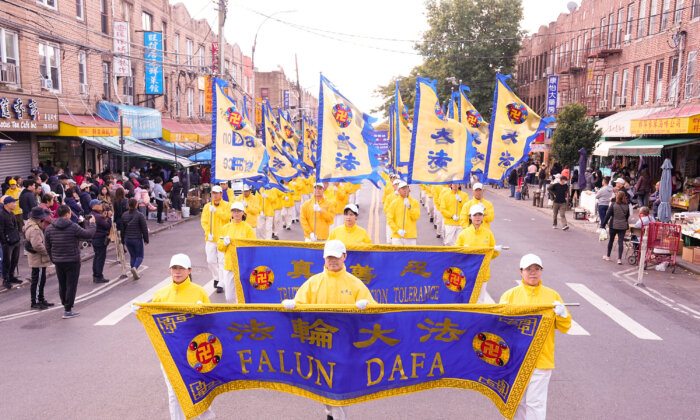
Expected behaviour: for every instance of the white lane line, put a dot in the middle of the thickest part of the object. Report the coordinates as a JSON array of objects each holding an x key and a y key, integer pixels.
[
  {"x": 124, "y": 310},
  {"x": 613, "y": 313},
  {"x": 576, "y": 328},
  {"x": 688, "y": 309}
]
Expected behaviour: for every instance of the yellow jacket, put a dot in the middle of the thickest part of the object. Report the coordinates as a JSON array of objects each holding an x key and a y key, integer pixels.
[
  {"x": 297, "y": 186},
  {"x": 388, "y": 191},
  {"x": 481, "y": 238},
  {"x": 449, "y": 206},
  {"x": 489, "y": 214},
  {"x": 241, "y": 230},
  {"x": 185, "y": 292},
  {"x": 355, "y": 235},
  {"x": 395, "y": 217},
  {"x": 279, "y": 198},
  {"x": 287, "y": 198},
  {"x": 340, "y": 197},
  {"x": 436, "y": 190},
  {"x": 15, "y": 194},
  {"x": 333, "y": 288},
  {"x": 540, "y": 295},
  {"x": 252, "y": 209},
  {"x": 221, "y": 216},
  {"x": 308, "y": 185},
  {"x": 388, "y": 201},
  {"x": 318, "y": 223},
  {"x": 267, "y": 204}
]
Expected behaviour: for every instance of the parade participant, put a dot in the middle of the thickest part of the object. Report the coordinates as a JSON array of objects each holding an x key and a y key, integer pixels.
[
  {"x": 37, "y": 256},
  {"x": 558, "y": 191},
  {"x": 103, "y": 224},
  {"x": 10, "y": 240},
  {"x": 402, "y": 217},
  {"x": 477, "y": 235},
  {"x": 278, "y": 205},
  {"x": 298, "y": 185},
  {"x": 451, "y": 207},
  {"x": 134, "y": 234},
  {"x": 214, "y": 215},
  {"x": 181, "y": 290},
  {"x": 353, "y": 194},
  {"x": 251, "y": 203},
  {"x": 533, "y": 404},
  {"x": 226, "y": 193},
  {"x": 436, "y": 191},
  {"x": 350, "y": 233},
  {"x": 386, "y": 203},
  {"x": 478, "y": 198},
  {"x": 334, "y": 286},
  {"x": 316, "y": 216},
  {"x": 14, "y": 191},
  {"x": 267, "y": 213},
  {"x": 339, "y": 197},
  {"x": 236, "y": 228},
  {"x": 287, "y": 214}
]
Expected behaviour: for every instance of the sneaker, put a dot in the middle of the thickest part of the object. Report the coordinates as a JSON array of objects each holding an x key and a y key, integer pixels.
[
  {"x": 554, "y": 227},
  {"x": 135, "y": 273},
  {"x": 438, "y": 236},
  {"x": 70, "y": 314},
  {"x": 619, "y": 261},
  {"x": 219, "y": 289},
  {"x": 565, "y": 227},
  {"x": 40, "y": 306},
  {"x": 99, "y": 280},
  {"x": 15, "y": 280},
  {"x": 7, "y": 285},
  {"x": 431, "y": 220},
  {"x": 288, "y": 228},
  {"x": 47, "y": 304},
  {"x": 606, "y": 258}
]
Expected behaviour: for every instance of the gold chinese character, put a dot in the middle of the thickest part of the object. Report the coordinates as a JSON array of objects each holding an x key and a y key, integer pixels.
[
  {"x": 319, "y": 333},
  {"x": 443, "y": 328},
  {"x": 417, "y": 267},
  {"x": 256, "y": 330},
  {"x": 377, "y": 333},
  {"x": 363, "y": 272},
  {"x": 301, "y": 268}
]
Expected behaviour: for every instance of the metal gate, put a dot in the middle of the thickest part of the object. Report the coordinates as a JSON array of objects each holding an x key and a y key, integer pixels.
[{"x": 16, "y": 158}]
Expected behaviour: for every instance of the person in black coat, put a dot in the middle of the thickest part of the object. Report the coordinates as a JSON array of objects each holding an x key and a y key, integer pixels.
[
  {"x": 85, "y": 198},
  {"x": 176, "y": 193},
  {"x": 71, "y": 201},
  {"x": 512, "y": 181},
  {"x": 103, "y": 226},
  {"x": 27, "y": 198},
  {"x": 134, "y": 232},
  {"x": 10, "y": 240}
]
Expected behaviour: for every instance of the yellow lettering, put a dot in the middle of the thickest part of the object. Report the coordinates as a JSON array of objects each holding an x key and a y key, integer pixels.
[
  {"x": 283, "y": 293},
  {"x": 398, "y": 367},
  {"x": 264, "y": 360},
  {"x": 420, "y": 294},
  {"x": 379, "y": 362},
  {"x": 412, "y": 293},
  {"x": 437, "y": 363},
  {"x": 244, "y": 360},
  {"x": 311, "y": 366},
  {"x": 321, "y": 371},
  {"x": 414, "y": 363},
  {"x": 281, "y": 352}
]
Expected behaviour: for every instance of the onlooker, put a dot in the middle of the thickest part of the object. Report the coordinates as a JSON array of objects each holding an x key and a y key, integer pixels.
[
  {"x": 590, "y": 179},
  {"x": 542, "y": 176},
  {"x": 619, "y": 212},
  {"x": 103, "y": 224},
  {"x": 121, "y": 205},
  {"x": 9, "y": 239},
  {"x": 575, "y": 188},
  {"x": 558, "y": 192},
  {"x": 134, "y": 234},
  {"x": 642, "y": 187},
  {"x": 37, "y": 256},
  {"x": 644, "y": 218},
  {"x": 176, "y": 193},
  {"x": 27, "y": 198},
  {"x": 655, "y": 200},
  {"x": 160, "y": 197},
  {"x": 84, "y": 197},
  {"x": 598, "y": 178},
  {"x": 76, "y": 209},
  {"x": 604, "y": 195},
  {"x": 48, "y": 203},
  {"x": 513, "y": 182}
]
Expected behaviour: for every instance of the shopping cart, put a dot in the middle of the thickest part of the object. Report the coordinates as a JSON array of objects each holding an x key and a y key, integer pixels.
[{"x": 662, "y": 244}]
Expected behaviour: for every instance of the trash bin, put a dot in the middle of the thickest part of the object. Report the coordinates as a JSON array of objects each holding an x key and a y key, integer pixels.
[{"x": 185, "y": 212}]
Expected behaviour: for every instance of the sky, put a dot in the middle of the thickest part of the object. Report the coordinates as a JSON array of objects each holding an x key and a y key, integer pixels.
[{"x": 339, "y": 38}]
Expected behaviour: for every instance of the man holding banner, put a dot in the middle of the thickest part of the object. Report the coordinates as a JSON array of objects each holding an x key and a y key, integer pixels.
[
  {"x": 402, "y": 216},
  {"x": 214, "y": 216},
  {"x": 316, "y": 216}
]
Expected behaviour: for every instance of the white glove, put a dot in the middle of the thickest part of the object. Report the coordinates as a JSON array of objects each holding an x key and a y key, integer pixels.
[
  {"x": 401, "y": 233},
  {"x": 210, "y": 237},
  {"x": 455, "y": 217},
  {"x": 312, "y": 236},
  {"x": 212, "y": 209},
  {"x": 134, "y": 308},
  {"x": 199, "y": 302},
  {"x": 498, "y": 248},
  {"x": 317, "y": 208},
  {"x": 361, "y": 304},
  {"x": 407, "y": 203},
  {"x": 227, "y": 240},
  {"x": 286, "y": 198},
  {"x": 459, "y": 198},
  {"x": 560, "y": 309},
  {"x": 289, "y": 304},
  {"x": 81, "y": 219},
  {"x": 264, "y": 195},
  {"x": 245, "y": 203}
]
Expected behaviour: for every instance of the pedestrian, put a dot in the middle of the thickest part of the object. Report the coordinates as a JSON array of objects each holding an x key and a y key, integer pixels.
[
  {"x": 105, "y": 197},
  {"x": 62, "y": 245},
  {"x": 558, "y": 192},
  {"x": 72, "y": 201},
  {"x": 214, "y": 216},
  {"x": 160, "y": 197},
  {"x": 618, "y": 215},
  {"x": 531, "y": 173},
  {"x": 103, "y": 227},
  {"x": 478, "y": 198},
  {"x": 37, "y": 256},
  {"x": 84, "y": 197},
  {"x": 533, "y": 404},
  {"x": 590, "y": 179},
  {"x": 542, "y": 176},
  {"x": 603, "y": 196},
  {"x": 27, "y": 198},
  {"x": 512, "y": 182},
  {"x": 476, "y": 235},
  {"x": 643, "y": 187},
  {"x": 134, "y": 234},
  {"x": 451, "y": 204},
  {"x": 349, "y": 232},
  {"x": 14, "y": 191},
  {"x": 48, "y": 202},
  {"x": 402, "y": 216},
  {"x": 655, "y": 200},
  {"x": 176, "y": 193},
  {"x": 317, "y": 214},
  {"x": 181, "y": 290},
  {"x": 334, "y": 286},
  {"x": 237, "y": 228},
  {"x": 10, "y": 241},
  {"x": 575, "y": 190},
  {"x": 120, "y": 206}
]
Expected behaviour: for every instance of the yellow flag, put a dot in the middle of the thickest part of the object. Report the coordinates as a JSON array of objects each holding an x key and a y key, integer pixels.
[
  {"x": 402, "y": 130},
  {"x": 290, "y": 139},
  {"x": 471, "y": 118},
  {"x": 279, "y": 164}
]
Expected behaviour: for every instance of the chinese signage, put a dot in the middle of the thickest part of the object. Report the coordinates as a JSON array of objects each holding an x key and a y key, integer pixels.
[
  {"x": 27, "y": 113},
  {"x": 680, "y": 125},
  {"x": 121, "y": 64},
  {"x": 552, "y": 87},
  {"x": 214, "y": 59},
  {"x": 258, "y": 110},
  {"x": 208, "y": 95},
  {"x": 153, "y": 42},
  {"x": 381, "y": 140},
  {"x": 286, "y": 99}
]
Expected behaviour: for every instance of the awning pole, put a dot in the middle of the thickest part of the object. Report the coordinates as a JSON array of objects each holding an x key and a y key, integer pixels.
[{"x": 121, "y": 139}]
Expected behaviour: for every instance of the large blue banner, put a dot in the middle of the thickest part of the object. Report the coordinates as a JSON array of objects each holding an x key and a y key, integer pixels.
[
  {"x": 339, "y": 356},
  {"x": 271, "y": 271},
  {"x": 153, "y": 50}
]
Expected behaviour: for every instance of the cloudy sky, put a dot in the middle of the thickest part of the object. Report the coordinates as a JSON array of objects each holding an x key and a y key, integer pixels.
[{"x": 347, "y": 41}]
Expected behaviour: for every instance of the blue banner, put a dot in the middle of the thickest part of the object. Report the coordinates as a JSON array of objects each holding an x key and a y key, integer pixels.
[
  {"x": 271, "y": 271},
  {"x": 552, "y": 88},
  {"x": 339, "y": 356},
  {"x": 286, "y": 99},
  {"x": 145, "y": 123},
  {"x": 153, "y": 50}
]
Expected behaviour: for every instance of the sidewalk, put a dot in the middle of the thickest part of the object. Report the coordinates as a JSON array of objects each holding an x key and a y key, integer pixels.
[{"x": 586, "y": 225}]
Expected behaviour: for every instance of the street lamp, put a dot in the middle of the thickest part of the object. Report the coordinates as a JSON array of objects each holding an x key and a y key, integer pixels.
[{"x": 255, "y": 41}]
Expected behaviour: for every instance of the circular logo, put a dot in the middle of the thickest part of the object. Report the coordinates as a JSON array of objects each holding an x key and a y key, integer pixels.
[
  {"x": 235, "y": 119},
  {"x": 474, "y": 119},
  {"x": 438, "y": 111},
  {"x": 342, "y": 114},
  {"x": 491, "y": 348},
  {"x": 271, "y": 131},
  {"x": 404, "y": 114},
  {"x": 454, "y": 279},
  {"x": 517, "y": 113},
  {"x": 277, "y": 126},
  {"x": 204, "y": 352},
  {"x": 261, "y": 278},
  {"x": 288, "y": 131}
]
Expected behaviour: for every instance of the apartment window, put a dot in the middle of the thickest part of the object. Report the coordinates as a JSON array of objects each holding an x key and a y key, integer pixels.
[
  {"x": 164, "y": 25},
  {"x": 176, "y": 40},
  {"x": 201, "y": 57},
  {"x": 79, "y": 9},
  {"x": 190, "y": 102},
  {"x": 630, "y": 17},
  {"x": 246, "y": 86},
  {"x": 126, "y": 11},
  {"x": 635, "y": 84},
  {"x": 652, "y": 16},
  {"x": 82, "y": 68},
  {"x": 264, "y": 93},
  {"x": 190, "y": 47},
  {"x": 606, "y": 90},
  {"x": 665, "y": 14},
  {"x": 146, "y": 21},
  {"x": 556, "y": 60},
  {"x": 611, "y": 30},
  {"x": 50, "y": 65},
  {"x": 129, "y": 88},
  {"x": 573, "y": 52},
  {"x": 620, "y": 26},
  {"x": 616, "y": 78},
  {"x": 679, "y": 11},
  {"x": 48, "y": 3},
  {"x": 166, "y": 84},
  {"x": 690, "y": 74},
  {"x": 647, "y": 83},
  {"x": 673, "y": 81},
  {"x": 695, "y": 12},
  {"x": 201, "y": 104},
  {"x": 575, "y": 97},
  {"x": 9, "y": 57},
  {"x": 578, "y": 51},
  {"x": 104, "y": 18},
  {"x": 585, "y": 44},
  {"x": 603, "y": 33},
  {"x": 177, "y": 100},
  {"x": 623, "y": 90},
  {"x": 105, "y": 80},
  {"x": 659, "y": 80},
  {"x": 642, "y": 17}
]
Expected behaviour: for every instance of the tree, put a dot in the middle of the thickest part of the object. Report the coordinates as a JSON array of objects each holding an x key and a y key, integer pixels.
[{"x": 574, "y": 131}]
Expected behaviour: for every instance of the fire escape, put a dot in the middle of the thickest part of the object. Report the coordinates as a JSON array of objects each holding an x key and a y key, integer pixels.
[{"x": 595, "y": 74}]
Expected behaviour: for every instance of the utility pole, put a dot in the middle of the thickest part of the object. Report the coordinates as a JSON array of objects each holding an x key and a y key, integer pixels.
[
  {"x": 222, "y": 47},
  {"x": 121, "y": 140},
  {"x": 296, "y": 63}
]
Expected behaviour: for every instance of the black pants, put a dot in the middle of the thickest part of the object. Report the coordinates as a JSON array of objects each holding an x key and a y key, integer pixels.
[
  {"x": 68, "y": 274},
  {"x": 10, "y": 259},
  {"x": 38, "y": 282},
  {"x": 160, "y": 204},
  {"x": 98, "y": 262},
  {"x": 620, "y": 241}
]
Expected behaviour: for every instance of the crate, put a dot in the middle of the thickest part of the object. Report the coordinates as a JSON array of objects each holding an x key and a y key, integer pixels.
[
  {"x": 152, "y": 215},
  {"x": 579, "y": 214},
  {"x": 688, "y": 253},
  {"x": 174, "y": 216},
  {"x": 696, "y": 255}
]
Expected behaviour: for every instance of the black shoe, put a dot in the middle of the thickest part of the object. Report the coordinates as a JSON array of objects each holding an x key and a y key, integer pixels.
[
  {"x": 40, "y": 306},
  {"x": 99, "y": 280},
  {"x": 47, "y": 304},
  {"x": 7, "y": 285},
  {"x": 431, "y": 220},
  {"x": 438, "y": 236},
  {"x": 15, "y": 280},
  {"x": 219, "y": 289},
  {"x": 288, "y": 228},
  {"x": 70, "y": 314}
]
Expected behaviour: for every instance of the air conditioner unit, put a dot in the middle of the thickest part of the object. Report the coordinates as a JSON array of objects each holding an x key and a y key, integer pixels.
[
  {"x": 603, "y": 104},
  {"x": 128, "y": 99},
  {"x": 84, "y": 90},
  {"x": 628, "y": 37},
  {"x": 544, "y": 75},
  {"x": 548, "y": 70},
  {"x": 621, "y": 101},
  {"x": 46, "y": 83}
]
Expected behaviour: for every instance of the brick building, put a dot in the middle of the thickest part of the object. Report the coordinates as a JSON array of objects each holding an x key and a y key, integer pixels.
[{"x": 274, "y": 87}]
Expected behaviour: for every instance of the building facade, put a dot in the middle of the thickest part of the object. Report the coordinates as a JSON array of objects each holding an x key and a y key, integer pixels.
[{"x": 280, "y": 92}]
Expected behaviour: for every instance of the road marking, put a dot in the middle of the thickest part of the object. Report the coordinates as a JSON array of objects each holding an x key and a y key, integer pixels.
[
  {"x": 613, "y": 313},
  {"x": 576, "y": 328},
  {"x": 124, "y": 310}
]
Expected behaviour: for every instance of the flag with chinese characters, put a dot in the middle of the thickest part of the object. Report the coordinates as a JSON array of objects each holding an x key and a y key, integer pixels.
[
  {"x": 337, "y": 355},
  {"x": 441, "y": 149},
  {"x": 279, "y": 166},
  {"x": 236, "y": 153},
  {"x": 402, "y": 126},
  {"x": 289, "y": 136},
  {"x": 513, "y": 128},
  {"x": 453, "y": 106},
  {"x": 479, "y": 129},
  {"x": 345, "y": 140},
  {"x": 308, "y": 149}
]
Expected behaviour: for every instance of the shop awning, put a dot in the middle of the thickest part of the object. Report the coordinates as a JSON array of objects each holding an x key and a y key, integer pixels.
[
  {"x": 204, "y": 132},
  {"x": 175, "y": 132},
  {"x": 136, "y": 148},
  {"x": 88, "y": 125},
  {"x": 647, "y": 147},
  {"x": 145, "y": 123},
  {"x": 618, "y": 125},
  {"x": 681, "y": 120},
  {"x": 602, "y": 148}
]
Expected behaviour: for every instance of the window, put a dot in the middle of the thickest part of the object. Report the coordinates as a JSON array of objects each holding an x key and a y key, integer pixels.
[
  {"x": 129, "y": 88},
  {"x": 190, "y": 47},
  {"x": 690, "y": 74},
  {"x": 647, "y": 83},
  {"x": 556, "y": 60},
  {"x": 653, "y": 15},
  {"x": 126, "y": 11},
  {"x": 105, "y": 80},
  {"x": 630, "y": 16},
  {"x": 611, "y": 30},
  {"x": 603, "y": 33},
  {"x": 673, "y": 82},
  {"x": 177, "y": 100},
  {"x": 623, "y": 89},
  {"x": 177, "y": 48},
  {"x": 679, "y": 11},
  {"x": 665, "y": 14},
  {"x": 246, "y": 87},
  {"x": 48, "y": 3},
  {"x": 606, "y": 90},
  {"x": 146, "y": 21},
  {"x": 585, "y": 44},
  {"x": 104, "y": 18},
  {"x": 201, "y": 104},
  {"x": 659, "y": 80},
  {"x": 635, "y": 84},
  {"x": 575, "y": 97},
  {"x": 166, "y": 83},
  {"x": 190, "y": 102},
  {"x": 50, "y": 65},
  {"x": 201, "y": 58},
  {"x": 82, "y": 69},
  {"x": 578, "y": 51},
  {"x": 615, "y": 99},
  {"x": 233, "y": 73},
  {"x": 695, "y": 12},
  {"x": 79, "y": 9},
  {"x": 164, "y": 26},
  {"x": 620, "y": 26},
  {"x": 264, "y": 92},
  {"x": 9, "y": 57},
  {"x": 642, "y": 16}
]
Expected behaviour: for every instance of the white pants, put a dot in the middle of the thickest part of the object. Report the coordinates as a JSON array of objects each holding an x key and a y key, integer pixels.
[
  {"x": 264, "y": 227},
  {"x": 422, "y": 196},
  {"x": 482, "y": 293},
  {"x": 388, "y": 234},
  {"x": 438, "y": 219},
  {"x": 403, "y": 241},
  {"x": 533, "y": 405},
  {"x": 297, "y": 210},
  {"x": 338, "y": 413},
  {"x": 451, "y": 234},
  {"x": 429, "y": 206},
  {"x": 287, "y": 216},
  {"x": 215, "y": 260},
  {"x": 276, "y": 222},
  {"x": 229, "y": 287},
  {"x": 174, "y": 405}
]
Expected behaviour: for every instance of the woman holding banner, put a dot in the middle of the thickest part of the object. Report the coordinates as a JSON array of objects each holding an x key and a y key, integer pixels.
[{"x": 236, "y": 228}]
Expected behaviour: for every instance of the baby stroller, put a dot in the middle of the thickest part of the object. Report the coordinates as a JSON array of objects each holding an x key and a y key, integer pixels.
[{"x": 632, "y": 249}]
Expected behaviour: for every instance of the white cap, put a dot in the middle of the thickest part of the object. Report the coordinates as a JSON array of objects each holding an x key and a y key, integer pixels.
[
  {"x": 217, "y": 189},
  {"x": 334, "y": 248},
  {"x": 396, "y": 181},
  {"x": 476, "y": 208},
  {"x": 478, "y": 186},
  {"x": 237, "y": 205},
  {"x": 180, "y": 259},
  {"x": 246, "y": 187},
  {"x": 402, "y": 184},
  {"x": 319, "y": 184},
  {"x": 620, "y": 180},
  {"x": 223, "y": 182},
  {"x": 352, "y": 207},
  {"x": 85, "y": 185},
  {"x": 71, "y": 181},
  {"x": 529, "y": 259}
]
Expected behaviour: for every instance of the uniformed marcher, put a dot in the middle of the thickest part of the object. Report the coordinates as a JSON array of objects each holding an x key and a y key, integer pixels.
[
  {"x": 349, "y": 232},
  {"x": 236, "y": 228},
  {"x": 402, "y": 215},
  {"x": 451, "y": 205},
  {"x": 477, "y": 235},
  {"x": 214, "y": 216},
  {"x": 478, "y": 198},
  {"x": 317, "y": 215}
]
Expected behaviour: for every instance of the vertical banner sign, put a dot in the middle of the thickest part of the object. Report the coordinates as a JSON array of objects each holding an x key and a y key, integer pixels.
[
  {"x": 552, "y": 87},
  {"x": 479, "y": 129},
  {"x": 286, "y": 99},
  {"x": 121, "y": 65},
  {"x": 153, "y": 43},
  {"x": 258, "y": 111},
  {"x": 208, "y": 97},
  {"x": 214, "y": 58}
]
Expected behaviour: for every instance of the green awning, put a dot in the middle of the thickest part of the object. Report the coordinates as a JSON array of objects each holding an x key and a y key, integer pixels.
[
  {"x": 644, "y": 146},
  {"x": 135, "y": 148}
]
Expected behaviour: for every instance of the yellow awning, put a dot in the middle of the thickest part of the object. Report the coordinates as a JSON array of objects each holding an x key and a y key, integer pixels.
[{"x": 87, "y": 125}]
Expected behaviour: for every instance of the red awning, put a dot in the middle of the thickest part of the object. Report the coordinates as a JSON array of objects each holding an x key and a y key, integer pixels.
[{"x": 680, "y": 112}]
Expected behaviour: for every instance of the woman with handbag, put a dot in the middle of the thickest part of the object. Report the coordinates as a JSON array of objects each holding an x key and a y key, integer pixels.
[
  {"x": 134, "y": 234},
  {"x": 618, "y": 215},
  {"x": 37, "y": 256}
]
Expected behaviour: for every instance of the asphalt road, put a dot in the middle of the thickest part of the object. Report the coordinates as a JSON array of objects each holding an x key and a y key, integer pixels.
[{"x": 632, "y": 354}]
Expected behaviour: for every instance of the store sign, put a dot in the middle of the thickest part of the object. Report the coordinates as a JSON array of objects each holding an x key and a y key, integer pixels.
[
  {"x": 121, "y": 65},
  {"x": 682, "y": 125},
  {"x": 208, "y": 97},
  {"x": 27, "y": 113},
  {"x": 153, "y": 43},
  {"x": 258, "y": 110},
  {"x": 214, "y": 58},
  {"x": 286, "y": 99},
  {"x": 552, "y": 87}
]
